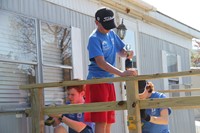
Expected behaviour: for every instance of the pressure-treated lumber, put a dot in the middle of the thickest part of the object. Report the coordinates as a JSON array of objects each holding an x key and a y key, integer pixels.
[
  {"x": 133, "y": 107},
  {"x": 133, "y": 104},
  {"x": 179, "y": 90},
  {"x": 37, "y": 103},
  {"x": 92, "y": 107},
  {"x": 116, "y": 79},
  {"x": 175, "y": 103}
]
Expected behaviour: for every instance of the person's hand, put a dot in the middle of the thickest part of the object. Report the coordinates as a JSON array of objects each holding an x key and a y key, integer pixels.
[
  {"x": 130, "y": 72},
  {"x": 144, "y": 116}
]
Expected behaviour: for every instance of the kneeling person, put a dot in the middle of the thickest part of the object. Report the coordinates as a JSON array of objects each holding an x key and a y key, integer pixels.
[
  {"x": 75, "y": 121},
  {"x": 155, "y": 120},
  {"x": 75, "y": 95}
]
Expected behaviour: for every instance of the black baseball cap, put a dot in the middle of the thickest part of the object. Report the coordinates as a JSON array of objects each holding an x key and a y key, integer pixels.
[
  {"x": 142, "y": 85},
  {"x": 105, "y": 16}
]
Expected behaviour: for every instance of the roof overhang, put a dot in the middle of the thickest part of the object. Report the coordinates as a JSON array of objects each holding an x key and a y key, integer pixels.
[{"x": 145, "y": 12}]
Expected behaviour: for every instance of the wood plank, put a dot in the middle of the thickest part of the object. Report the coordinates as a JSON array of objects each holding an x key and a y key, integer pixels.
[
  {"x": 37, "y": 103},
  {"x": 131, "y": 120},
  {"x": 92, "y": 107},
  {"x": 175, "y": 103},
  {"x": 133, "y": 107},
  {"x": 179, "y": 90},
  {"x": 116, "y": 79}
]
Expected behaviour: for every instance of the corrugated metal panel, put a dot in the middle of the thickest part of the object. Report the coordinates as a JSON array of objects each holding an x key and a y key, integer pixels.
[
  {"x": 150, "y": 54},
  {"x": 164, "y": 34},
  {"x": 82, "y": 5},
  {"x": 53, "y": 95},
  {"x": 10, "y": 124},
  {"x": 181, "y": 122}
]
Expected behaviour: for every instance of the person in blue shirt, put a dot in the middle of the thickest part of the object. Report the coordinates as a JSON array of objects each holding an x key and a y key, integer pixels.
[
  {"x": 75, "y": 95},
  {"x": 75, "y": 121},
  {"x": 154, "y": 120},
  {"x": 103, "y": 46}
]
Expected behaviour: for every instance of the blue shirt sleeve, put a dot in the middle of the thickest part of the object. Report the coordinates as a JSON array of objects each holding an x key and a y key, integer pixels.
[
  {"x": 94, "y": 47},
  {"x": 169, "y": 109}
]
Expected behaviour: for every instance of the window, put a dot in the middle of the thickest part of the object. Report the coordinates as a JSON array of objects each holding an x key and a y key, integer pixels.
[
  {"x": 57, "y": 59},
  {"x": 17, "y": 57},
  {"x": 172, "y": 63},
  {"x": 29, "y": 56},
  {"x": 172, "y": 66},
  {"x": 17, "y": 38}
]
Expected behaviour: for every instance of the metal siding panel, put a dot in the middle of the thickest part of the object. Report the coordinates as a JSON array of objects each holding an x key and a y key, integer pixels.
[
  {"x": 10, "y": 124},
  {"x": 50, "y": 12},
  {"x": 180, "y": 124},
  {"x": 25, "y": 7},
  {"x": 53, "y": 95},
  {"x": 10, "y": 79},
  {"x": 82, "y": 5},
  {"x": 47, "y": 12},
  {"x": 150, "y": 55}
]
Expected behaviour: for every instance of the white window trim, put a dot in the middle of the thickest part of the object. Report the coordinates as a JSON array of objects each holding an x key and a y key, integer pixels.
[{"x": 77, "y": 56}]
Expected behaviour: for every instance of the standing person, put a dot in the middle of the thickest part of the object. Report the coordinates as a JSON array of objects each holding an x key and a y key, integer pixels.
[
  {"x": 75, "y": 121},
  {"x": 103, "y": 46},
  {"x": 154, "y": 120}
]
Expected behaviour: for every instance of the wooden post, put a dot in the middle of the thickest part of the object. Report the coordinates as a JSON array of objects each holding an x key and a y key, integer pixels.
[
  {"x": 37, "y": 104},
  {"x": 133, "y": 107}
]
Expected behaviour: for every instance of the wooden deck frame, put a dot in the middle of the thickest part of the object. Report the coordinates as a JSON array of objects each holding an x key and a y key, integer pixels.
[{"x": 133, "y": 104}]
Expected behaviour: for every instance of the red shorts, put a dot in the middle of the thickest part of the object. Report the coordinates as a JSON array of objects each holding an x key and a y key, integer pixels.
[{"x": 100, "y": 93}]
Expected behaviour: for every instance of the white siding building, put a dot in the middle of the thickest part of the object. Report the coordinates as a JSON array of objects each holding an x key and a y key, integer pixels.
[{"x": 45, "y": 41}]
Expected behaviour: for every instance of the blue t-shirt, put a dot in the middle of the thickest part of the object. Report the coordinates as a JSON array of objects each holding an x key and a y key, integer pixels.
[
  {"x": 106, "y": 45},
  {"x": 149, "y": 127},
  {"x": 78, "y": 117}
]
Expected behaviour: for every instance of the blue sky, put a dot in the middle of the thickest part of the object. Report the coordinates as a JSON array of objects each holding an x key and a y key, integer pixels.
[{"x": 185, "y": 11}]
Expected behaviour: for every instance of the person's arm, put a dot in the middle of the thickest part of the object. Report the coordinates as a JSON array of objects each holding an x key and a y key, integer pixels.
[
  {"x": 75, "y": 125},
  {"x": 60, "y": 129},
  {"x": 111, "y": 69},
  {"x": 163, "y": 119}
]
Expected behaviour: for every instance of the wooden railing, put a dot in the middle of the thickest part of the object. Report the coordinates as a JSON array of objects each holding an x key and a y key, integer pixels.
[{"x": 132, "y": 105}]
